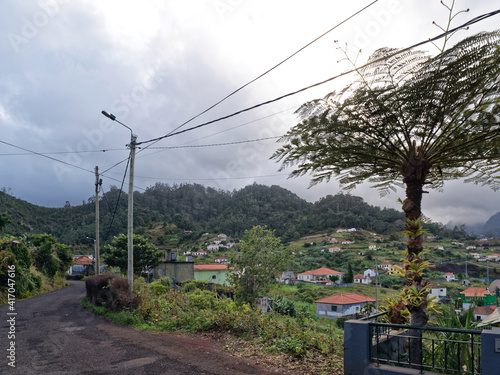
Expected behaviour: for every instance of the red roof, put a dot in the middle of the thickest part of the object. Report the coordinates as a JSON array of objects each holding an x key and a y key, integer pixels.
[
  {"x": 322, "y": 271},
  {"x": 476, "y": 292},
  {"x": 345, "y": 299},
  {"x": 359, "y": 276},
  {"x": 210, "y": 267},
  {"x": 83, "y": 260},
  {"x": 484, "y": 310},
  {"x": 449, "y": 274}
]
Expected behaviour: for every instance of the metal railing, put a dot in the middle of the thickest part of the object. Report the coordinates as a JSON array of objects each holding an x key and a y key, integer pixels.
[{"x": 444, "y": 350}]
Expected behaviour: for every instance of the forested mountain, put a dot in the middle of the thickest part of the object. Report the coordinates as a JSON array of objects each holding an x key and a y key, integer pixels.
[{"x": 203, "y": 209}]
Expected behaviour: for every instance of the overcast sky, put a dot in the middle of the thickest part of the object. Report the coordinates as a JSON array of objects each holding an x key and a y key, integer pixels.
[{"x": 156, "y": 64}]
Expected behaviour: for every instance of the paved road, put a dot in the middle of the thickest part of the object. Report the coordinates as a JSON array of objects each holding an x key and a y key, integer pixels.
[{"x": 55, "y": 335}]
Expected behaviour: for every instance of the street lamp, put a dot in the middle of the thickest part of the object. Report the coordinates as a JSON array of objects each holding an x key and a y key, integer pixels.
[{"x": 130, "y": 226}]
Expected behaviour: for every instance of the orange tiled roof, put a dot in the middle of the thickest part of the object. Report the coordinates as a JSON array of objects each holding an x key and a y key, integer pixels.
[
  {"x": 210, "y": 267},
  {"x": 83, "y": 260},
  {"x": 476, "y": 292},
  {"x": 346, "y": 299},
  {"x": 484, "y": 310},
  {"x": 322, "y": 271}
]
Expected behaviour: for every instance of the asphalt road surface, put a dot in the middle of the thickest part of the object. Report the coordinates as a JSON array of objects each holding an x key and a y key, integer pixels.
[{"x": 52, "y": 334}]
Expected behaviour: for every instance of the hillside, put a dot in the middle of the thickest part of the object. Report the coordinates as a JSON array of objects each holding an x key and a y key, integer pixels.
[{"x": 202, "y": 209}]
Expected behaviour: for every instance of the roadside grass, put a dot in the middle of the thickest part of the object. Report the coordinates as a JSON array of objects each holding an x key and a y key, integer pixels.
[{"x": 303, "y": 342}]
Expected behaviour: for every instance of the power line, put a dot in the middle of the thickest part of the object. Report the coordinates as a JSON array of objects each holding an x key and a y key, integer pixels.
[
  {"x": 118, "y": 199},
  {"x": 274, "y": 67},
  {"x": 48, "y": 157},
  {"x": 210, "y": 135},
  {"x": 468, "y": 23},
  {"x": 209, "y": 179},
  {"x": 61, "y": 152},
  {"x": 216, "y": 144}
]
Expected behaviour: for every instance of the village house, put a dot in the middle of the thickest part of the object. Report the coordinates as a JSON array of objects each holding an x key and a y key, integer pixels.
[
  {"x": 438, "y": 292},
  {"x": 286, "y": 277},
  {"x": 222, "y": 236},
  {"x": 362, "y": 279},
  {"x": 347, "y": 242},
  {"x": 471, "y": 295},
  {"x": 372, "y": 247},
  {"x": 335, "y": 250},
  {"x": 214, "y": 273},
  {"x": 482, "y": 312},
  {"x": 470, "y": 247},
  {"x": 384, "y": 266},
  {"x": 201, "y": 253},
  {"x": 476, "y": 255},
  {"x": 213, "y": 247},
  {"x": 449, "y": 276},
  {"x": 333, "y": 240},
  {"x": 319, "y": 275},
  {"x": 370, "y": 272},
  {"x": 340, "y": 305},
  {"x": 222, "y": 260},
  {"x": 82, "y": 266},
  {"x": 395, "y": 270},
  {"x": 493, "y": 257},
  {"x": 439, "y": 247}
]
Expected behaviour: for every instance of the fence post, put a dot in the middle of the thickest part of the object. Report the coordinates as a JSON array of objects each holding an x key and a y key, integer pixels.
[
  {"x": 356, "y": 346},
  {"x": 490, "y": 351}
]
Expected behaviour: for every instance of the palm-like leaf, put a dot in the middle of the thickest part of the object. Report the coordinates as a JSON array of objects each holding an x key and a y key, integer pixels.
[{"x": 408, "y": 117}]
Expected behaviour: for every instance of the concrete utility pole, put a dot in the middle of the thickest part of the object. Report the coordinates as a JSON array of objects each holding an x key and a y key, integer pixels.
[
  {"x": 130, "y": 225},
  {"x": 98, "y": 182}
]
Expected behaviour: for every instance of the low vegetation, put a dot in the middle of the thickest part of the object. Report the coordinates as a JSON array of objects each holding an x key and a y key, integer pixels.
[{"x": 294, "y": 340}]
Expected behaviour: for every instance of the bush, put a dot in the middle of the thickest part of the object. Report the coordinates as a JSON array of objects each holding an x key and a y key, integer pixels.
[{"x": 110, "y": 291}]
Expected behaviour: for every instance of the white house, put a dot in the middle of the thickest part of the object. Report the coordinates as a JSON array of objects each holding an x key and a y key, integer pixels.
[
  {"x": 449, "y": 276},
  {"x": 362, "y": 279},
  {"x": 493, "y": 257},
  {"x": 385, "y": 266},
  {"x": 341, "y": 304},
  {"x": 335, "y": 250},
  {"x": 319, "y": 275},
  {"x": 370, "y": 272},
  {"x": 438, "y": 292},
  {"x": 213, "y": 247}
]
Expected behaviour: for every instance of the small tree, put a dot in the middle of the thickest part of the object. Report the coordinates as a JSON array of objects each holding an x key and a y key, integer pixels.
[
  {"x": 260, "y": 258},
  {"x": 349, "y": 276},
  {"x": 146, "y": 255}
]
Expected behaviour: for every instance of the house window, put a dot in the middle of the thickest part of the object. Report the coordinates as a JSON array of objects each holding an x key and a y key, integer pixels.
[
  {"x": 160, "y": 272},
  {"x": 334, "y": 308},
  {"x": 214, "y": 277}
]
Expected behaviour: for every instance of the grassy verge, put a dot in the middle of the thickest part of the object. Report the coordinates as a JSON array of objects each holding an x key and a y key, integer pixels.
[{"x": 313, "y": 346}]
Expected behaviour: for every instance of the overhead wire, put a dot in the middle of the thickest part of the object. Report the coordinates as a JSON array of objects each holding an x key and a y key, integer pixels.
[
  {"x": 48, "y": 157},
  {"x": 275, "y": 66},
  {"x": 468, "y": 23},
  {"x": 118, "y": 199}
]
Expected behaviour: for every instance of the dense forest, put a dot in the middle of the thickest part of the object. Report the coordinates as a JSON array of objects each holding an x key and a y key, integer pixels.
[{"x": 198, "y": 208}]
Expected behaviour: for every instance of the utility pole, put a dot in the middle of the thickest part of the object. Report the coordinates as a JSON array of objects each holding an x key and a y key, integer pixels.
[
  {"x": 487, "y": 274},
  {"x": 130, "y": 226},
  {"x": 98, "y": 182}
]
